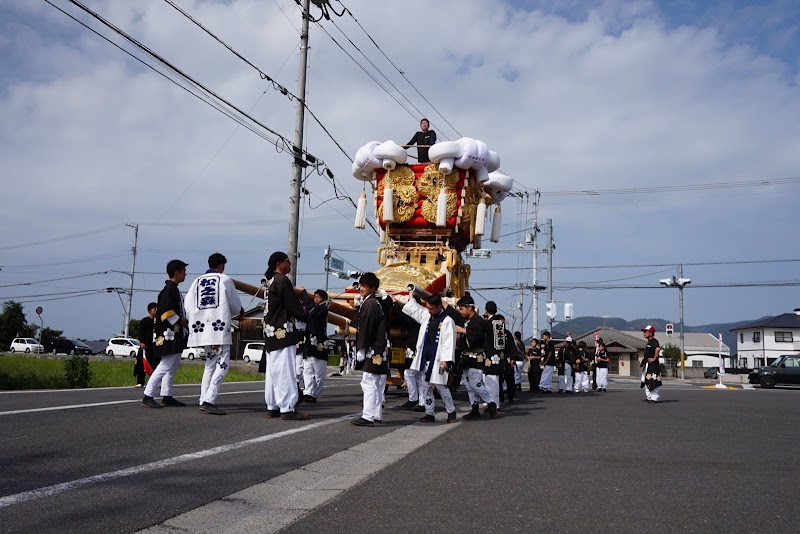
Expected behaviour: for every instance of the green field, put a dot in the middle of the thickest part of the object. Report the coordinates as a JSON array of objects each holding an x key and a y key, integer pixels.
[{"x": 31, "y": 372}]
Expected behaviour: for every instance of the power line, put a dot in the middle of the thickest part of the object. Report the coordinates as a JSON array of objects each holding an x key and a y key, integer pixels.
[
  {"x": 675, "y": 188},
  {"x": 63, "y": 238},
  {"x": 55, "y": 279}
]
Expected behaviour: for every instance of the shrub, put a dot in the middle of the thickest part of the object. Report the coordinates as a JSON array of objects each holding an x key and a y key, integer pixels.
[{"x": 77, "y": 371}]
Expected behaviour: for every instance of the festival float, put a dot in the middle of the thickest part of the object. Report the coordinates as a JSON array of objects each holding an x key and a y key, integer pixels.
[{"x": 428, "y": 216}]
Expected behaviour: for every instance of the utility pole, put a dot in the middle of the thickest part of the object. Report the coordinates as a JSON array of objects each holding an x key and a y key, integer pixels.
[
  {"x": 550, "y": 247},
  {"x": 135, "y": 227},
  {"x": 535, "y": 229},
  {"x": 681, "y": 284},
  {"x": 299, "y": 163}
]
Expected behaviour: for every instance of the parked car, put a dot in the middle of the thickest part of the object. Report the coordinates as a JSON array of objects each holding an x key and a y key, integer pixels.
[
  {"x": 711, "y": 372},
  {"x": 253, "y": 352},
  {"x": 67, "y": 346},
  {"x": 784, "y": 370},
  {"x": 26, "y": 345},
  {"x": 193, "y": 352},
  {"x": 122, "y": 346}
]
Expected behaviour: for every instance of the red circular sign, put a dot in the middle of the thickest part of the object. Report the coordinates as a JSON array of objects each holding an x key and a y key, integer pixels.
[{"x": 39, "y": 310}]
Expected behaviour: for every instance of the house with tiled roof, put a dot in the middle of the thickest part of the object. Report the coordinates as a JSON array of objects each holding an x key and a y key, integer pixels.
[
  {"x": 624, "y": 350},
  {"x": 702, "y": 349},
  {"x": 762, "y": 342}
]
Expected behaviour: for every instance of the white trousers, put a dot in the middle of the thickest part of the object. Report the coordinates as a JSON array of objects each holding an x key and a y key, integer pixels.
[
  {"x": 565, "y": 380},
  {"x": 314, "y": 371},
  {"x": 493, "y": 387},
  {"x": 214, "y": 373},
  {"x": 298, "y": 363},
  {"x": 280, "y": 381},
  {"x": 602, "y": 377},
  {"x": 163, "y": 376},
  {"x": 546, "y": 382},
  {"x": 415, "y": 381},
  {"x": 650, "y": 394},
  {"x": 429, "y": 400},
  {"x": 373, "y": 385},
  {"x": 518, "y": 372},
  {"x": 476, "y": 387},
  {"x": 581, "y": 381}
]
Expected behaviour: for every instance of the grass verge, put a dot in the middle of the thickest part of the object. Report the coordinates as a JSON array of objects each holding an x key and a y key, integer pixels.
[{"x": 29, "y": 372}]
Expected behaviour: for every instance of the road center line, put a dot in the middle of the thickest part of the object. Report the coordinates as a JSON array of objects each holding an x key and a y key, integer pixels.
[{"x": 153, "y": 466}]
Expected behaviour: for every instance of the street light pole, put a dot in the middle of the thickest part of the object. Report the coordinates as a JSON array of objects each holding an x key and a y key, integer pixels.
[{"x": 680, "y": 282}]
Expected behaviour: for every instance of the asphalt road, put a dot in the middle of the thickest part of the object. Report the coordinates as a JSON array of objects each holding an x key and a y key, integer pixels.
[{"x": 723, "y": 460}]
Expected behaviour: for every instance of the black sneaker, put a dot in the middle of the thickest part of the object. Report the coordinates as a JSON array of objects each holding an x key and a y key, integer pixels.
[
  {"x": 207, "y": 407},
  {"x": 150, "y": 402},
  {"x": 408, "y": 405},
  {"x": 451, "y": 417},
  {"x": 492, "y": 409},
  {"x": 473, "y": 414},
  {"x": 294, "y": 416},
  {"x": 273, "y": 414},
  {"x": 362, "y": 422},
  {"x": 309, "y": 398},
  {"x": 418, "y": 408},
  {"x": 170, "y": 401},
  {"x": 428, "y": 419}
]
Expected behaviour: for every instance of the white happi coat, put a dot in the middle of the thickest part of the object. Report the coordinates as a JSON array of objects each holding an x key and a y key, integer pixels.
[
  {"x": 210, "y": 304},
  {"x": 445, "y": 351}
]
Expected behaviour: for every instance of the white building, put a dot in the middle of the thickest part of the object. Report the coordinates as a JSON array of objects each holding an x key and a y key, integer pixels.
[{"x": 761, "y": 342}]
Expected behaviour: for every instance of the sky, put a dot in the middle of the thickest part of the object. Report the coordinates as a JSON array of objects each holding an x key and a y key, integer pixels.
[{"x": 626, "y": 116}]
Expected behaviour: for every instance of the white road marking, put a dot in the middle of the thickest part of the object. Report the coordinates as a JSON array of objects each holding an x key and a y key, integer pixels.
[{"x": 47, "y": 491}]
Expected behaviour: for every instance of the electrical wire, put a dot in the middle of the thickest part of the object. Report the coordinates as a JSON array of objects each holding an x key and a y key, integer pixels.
[{"x": 63, "y": 238}]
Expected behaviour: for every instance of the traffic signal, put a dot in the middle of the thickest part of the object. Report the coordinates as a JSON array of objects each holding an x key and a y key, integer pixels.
[
  {"x": 670, "y": 328},
  {"x": 551, "y": 310},
  {"x": 569, "y": 311}
]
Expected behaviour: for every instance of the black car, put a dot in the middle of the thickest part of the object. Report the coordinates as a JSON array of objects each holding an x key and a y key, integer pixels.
[
  {"x": 67, "y": 346},
  {"x": 711, "y": 372},
  {"x": 784, "y": 370}
]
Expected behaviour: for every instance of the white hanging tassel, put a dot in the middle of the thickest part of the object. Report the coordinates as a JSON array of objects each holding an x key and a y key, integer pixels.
[
  {"x": 496, "y": 225},
  {"x": 384, "y": 237},
  {"x": 441, "y": 208},
  {"x": 480, "y": 218},
  {"x": 388, "y": 204},
  {"x": 361, "y": 211}
]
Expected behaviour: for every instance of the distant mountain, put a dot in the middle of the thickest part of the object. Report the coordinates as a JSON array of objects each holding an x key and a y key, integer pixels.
[{"x": 580, "y": 325}]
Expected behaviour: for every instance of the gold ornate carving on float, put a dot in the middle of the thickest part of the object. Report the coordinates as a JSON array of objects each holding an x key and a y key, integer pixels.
[{"x": 397, "y": 276}]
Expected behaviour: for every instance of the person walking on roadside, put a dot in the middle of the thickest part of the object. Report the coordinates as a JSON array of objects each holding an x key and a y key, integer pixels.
[
  {"x": 601, "y": 364},
  {"x": 471, "y": 345},
  {"x": 534, "y": 355},
  {"x": 434, "y": 355},
  {"x": 651, "y": 367},
  {"x": 282, "y": 309},
  {"x": 171, "y": 337},
  {"x": 548, "y": 364},
  {"x": 211, "y": 304},
  {"x": 145, "y": 356},
  {"x": 315, "y": 362},
  {"x": 566, "y": 360},
  {"x": 520, "y": 363},
  {"x": 581, "y": 368},
  {"x": 371, "y": 347}
]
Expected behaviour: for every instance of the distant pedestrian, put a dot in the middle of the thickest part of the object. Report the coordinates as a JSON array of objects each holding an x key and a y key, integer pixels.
[
  {"x": 601, "y": 365},
  {"x": 145, "y": 357},
  {"x": 423, "y": 140},
  {"x": 651, "y": 367},
  {"x": 211, "y": 304},
  {"x": 534, "y": 355},
  {"x": 282, "y": 309},
  {"x": 548, "y": 364},
  {"x": 566, "y": 359},
  {"x": 520, "y": 363},
  {"x": 581, "y": 368},
  {"x": 171, "y": 337},
  {"x": 371, "y": 345}
]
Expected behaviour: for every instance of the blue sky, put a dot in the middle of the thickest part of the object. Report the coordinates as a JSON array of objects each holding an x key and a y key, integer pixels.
[{"x": 574, "y": 96}]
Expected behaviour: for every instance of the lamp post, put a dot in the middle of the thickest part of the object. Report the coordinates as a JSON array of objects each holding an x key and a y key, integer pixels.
[{"x": 680, "y": 282}]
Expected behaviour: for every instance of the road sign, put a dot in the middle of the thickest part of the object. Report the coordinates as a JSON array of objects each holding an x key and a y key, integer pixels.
[
  {"x": 337, "y": 264},
  {"x": 39, "y": 310}
]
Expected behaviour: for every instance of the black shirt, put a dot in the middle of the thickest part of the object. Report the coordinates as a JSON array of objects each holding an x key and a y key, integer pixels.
[
  {"x": 650, "y": 352},
  {"x": 423, "y": 138},
  {"x": 549, "y": 353},
  {"x": 600, "y": 363}
]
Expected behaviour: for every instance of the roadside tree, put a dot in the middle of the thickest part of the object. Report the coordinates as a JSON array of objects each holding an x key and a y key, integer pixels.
[{"x": 13, "y": 324}]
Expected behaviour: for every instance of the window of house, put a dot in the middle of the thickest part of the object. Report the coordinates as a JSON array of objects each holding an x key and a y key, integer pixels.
[
  {"x": 759, "y": 362},
  {"x": 756, "y": 337},
  {"x": 697, "y": 363},
  {"x": 741, "y": 337},
  {"x": 783, "y": 337}
]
